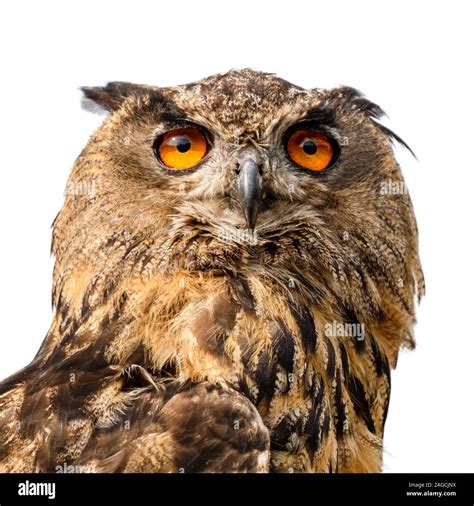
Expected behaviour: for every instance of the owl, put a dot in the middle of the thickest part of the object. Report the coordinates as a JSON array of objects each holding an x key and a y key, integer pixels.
[{"x": 236, "y": 270}]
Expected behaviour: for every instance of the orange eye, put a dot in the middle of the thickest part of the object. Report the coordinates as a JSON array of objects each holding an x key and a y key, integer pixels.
[
  {"x": 311, "y": 150},
  {"x": 181, "y": 148}
]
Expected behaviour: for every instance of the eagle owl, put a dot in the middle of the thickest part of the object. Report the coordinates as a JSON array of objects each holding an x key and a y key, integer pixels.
[{"x": 232, "y": 286}]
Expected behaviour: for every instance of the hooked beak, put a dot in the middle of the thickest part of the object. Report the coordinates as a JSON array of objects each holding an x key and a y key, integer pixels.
[{"x": 250, "y": 190}]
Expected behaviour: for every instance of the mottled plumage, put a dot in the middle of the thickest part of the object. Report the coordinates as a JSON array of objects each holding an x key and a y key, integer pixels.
[{"x": 180, "y": 342}]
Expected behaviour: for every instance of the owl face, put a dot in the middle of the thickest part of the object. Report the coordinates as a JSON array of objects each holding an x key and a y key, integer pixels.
[{"x": 246, "y": 170}]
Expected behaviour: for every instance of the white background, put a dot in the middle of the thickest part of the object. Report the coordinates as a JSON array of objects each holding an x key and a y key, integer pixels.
[{"x": 413, "y": 58}]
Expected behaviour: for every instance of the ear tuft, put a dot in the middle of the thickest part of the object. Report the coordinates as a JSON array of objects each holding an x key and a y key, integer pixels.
[
  {"x": 355, "y": 99},
  {"x": 394, "y": 137},
  {"x": 109, "y": 97}
]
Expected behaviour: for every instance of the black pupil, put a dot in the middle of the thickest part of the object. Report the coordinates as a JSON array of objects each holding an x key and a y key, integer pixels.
[
  {"x": 183, "y": 145},
  {"x": 310, "y": 147}
]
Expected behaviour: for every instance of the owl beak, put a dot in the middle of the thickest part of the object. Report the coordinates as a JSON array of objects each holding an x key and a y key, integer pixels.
[{"x": 250, "y": 190}]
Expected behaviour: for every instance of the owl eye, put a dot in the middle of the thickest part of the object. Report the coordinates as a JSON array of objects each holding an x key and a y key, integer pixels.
[
  {"x": 311, "y": 150},
  {"x": 181, "y": 148}
]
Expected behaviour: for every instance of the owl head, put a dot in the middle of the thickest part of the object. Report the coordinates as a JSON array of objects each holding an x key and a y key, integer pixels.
[{"x": 244, "y": 171}]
